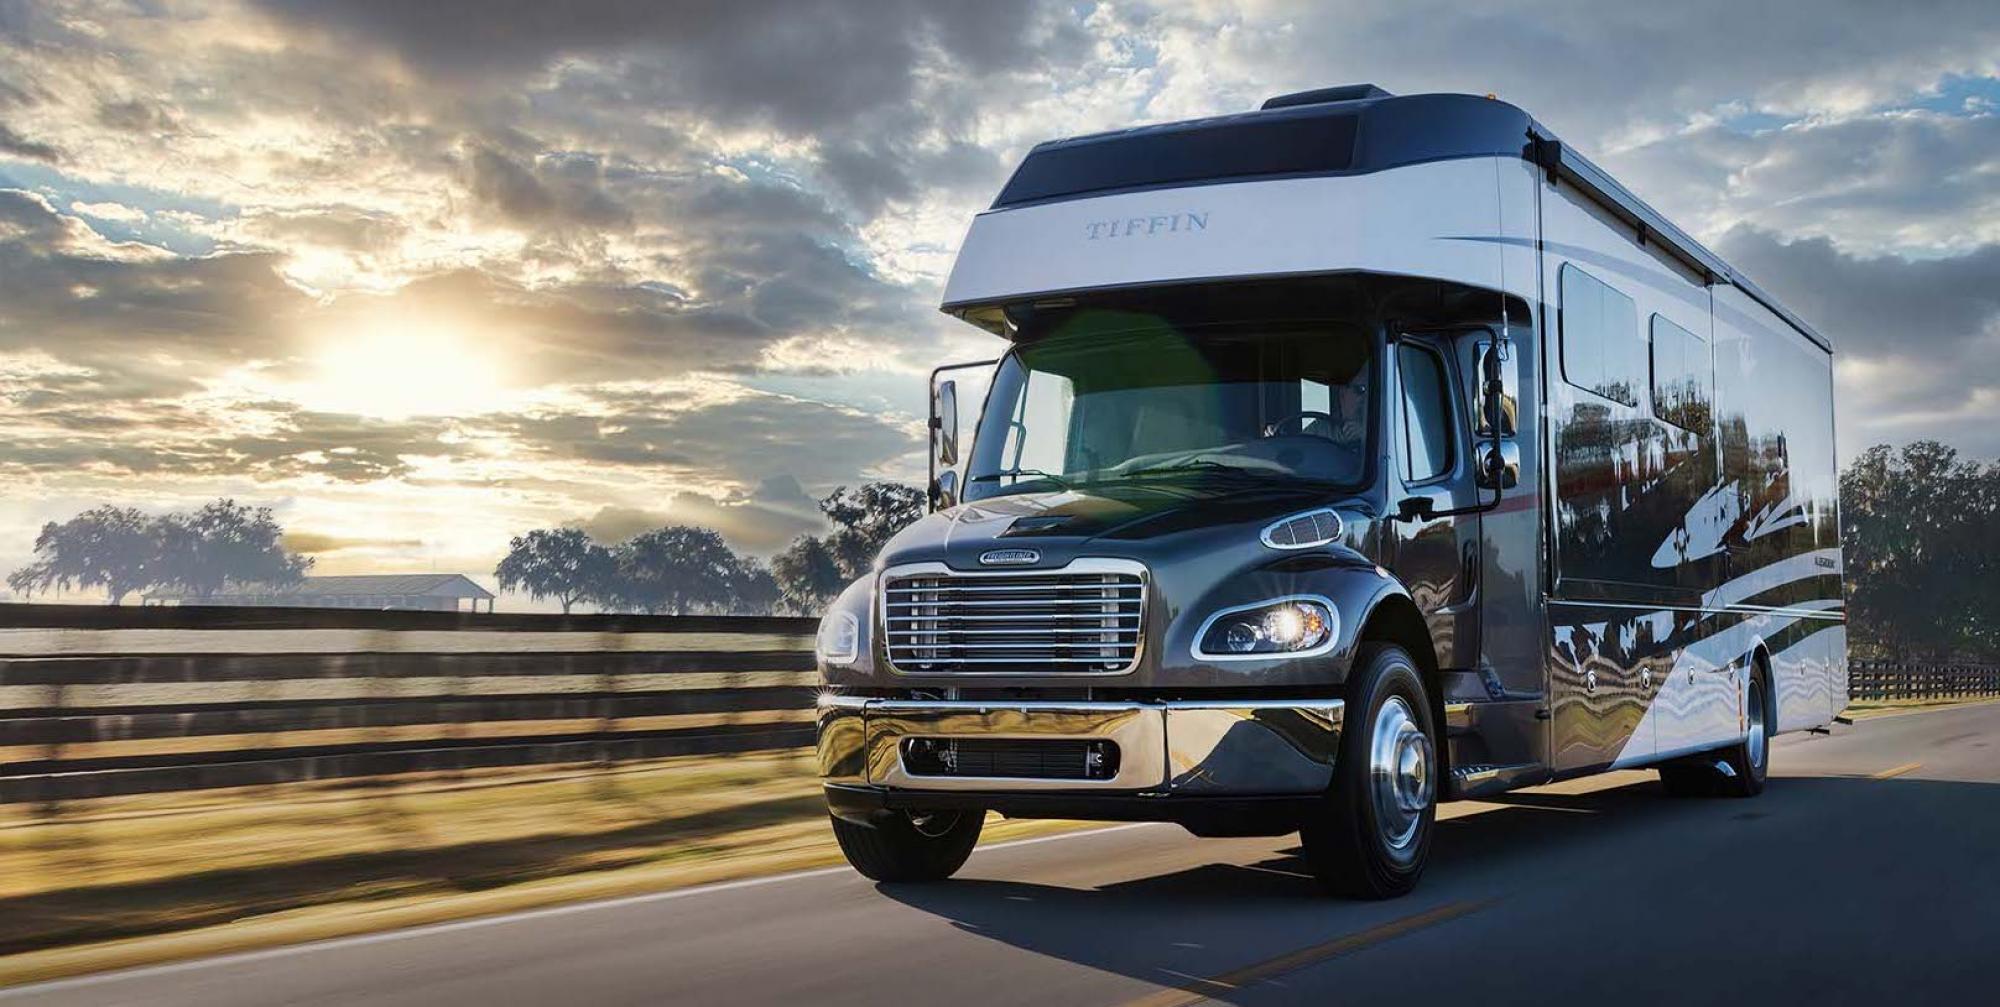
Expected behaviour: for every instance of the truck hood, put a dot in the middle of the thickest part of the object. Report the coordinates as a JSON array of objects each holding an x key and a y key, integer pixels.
[{"x": 1136, "y": 521}]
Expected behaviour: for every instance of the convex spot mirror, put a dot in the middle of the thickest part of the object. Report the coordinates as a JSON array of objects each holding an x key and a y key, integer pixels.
[
  {"x": 1500, "y": 457},
  {"x": 944, "y": 424}
]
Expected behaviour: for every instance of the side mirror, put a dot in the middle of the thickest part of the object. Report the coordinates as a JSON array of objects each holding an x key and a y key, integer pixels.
[
  {"x": 944, "y": 424},
  {"x": 1497, "y": 406},
  {"x": 944, "y": 492},
  {"x": 1415, "y": 509},
  {"x": 1501, "y": 468}
]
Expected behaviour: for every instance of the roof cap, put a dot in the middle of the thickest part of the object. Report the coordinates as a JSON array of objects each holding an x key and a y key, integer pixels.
[{"x": 1326, "y": 95}]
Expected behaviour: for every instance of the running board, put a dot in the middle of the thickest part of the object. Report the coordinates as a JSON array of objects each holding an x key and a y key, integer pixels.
[{"x": 1486, "y": 779}]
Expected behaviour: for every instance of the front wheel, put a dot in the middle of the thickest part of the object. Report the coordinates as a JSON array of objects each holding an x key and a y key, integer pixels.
[
  {"x": 1371, "y": 835},
  {"x": 918, "y": 846}
]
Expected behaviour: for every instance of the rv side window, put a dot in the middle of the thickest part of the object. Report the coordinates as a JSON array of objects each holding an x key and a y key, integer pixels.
[
  {"x": 1683, "y": 377},
  {"x": 1426, "y": 414},
  {"x": 1601, "y": 349}
]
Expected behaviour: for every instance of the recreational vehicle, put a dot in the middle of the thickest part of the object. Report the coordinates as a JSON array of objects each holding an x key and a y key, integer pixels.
[{"x": 1347, "y": 456}]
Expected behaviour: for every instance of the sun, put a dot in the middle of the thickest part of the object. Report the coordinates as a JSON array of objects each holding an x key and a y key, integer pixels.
[{"x": 398, "y": 368}]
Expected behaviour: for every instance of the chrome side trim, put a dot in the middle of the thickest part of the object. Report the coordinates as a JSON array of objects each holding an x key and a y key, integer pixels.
[
  {"x": 841, "y": 740},
  {"x": 1332, "y": 636},
  {"x": 1282, "y": 747}
]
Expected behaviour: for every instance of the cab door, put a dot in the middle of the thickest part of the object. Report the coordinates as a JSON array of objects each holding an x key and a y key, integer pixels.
[{"x": 1435, "y": 554}]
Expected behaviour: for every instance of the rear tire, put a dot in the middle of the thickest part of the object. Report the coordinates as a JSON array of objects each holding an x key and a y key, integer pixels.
[
  {"x": 1749, "y": 760},
  {"x": 1370, "y": 837},
  {"x": 1751, "y": 757},
  {"x": 910, "y": 847}
]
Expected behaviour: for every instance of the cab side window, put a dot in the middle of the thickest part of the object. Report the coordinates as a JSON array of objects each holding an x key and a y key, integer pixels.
[{"x": 1426, "y": 407}]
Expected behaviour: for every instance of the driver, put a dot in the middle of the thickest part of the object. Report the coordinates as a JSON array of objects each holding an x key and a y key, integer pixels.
[{"x": 1350, "y": 414}]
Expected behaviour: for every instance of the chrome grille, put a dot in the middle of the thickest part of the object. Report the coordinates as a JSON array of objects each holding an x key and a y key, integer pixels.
[{"x": 1070, "y": 621}]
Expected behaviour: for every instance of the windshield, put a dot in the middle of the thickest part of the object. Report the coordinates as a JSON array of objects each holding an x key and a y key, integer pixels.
[{"x": 1116, "y": 397}]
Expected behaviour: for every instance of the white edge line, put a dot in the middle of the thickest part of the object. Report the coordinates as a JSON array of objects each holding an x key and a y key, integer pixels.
[{"x": 545, "y": 912}]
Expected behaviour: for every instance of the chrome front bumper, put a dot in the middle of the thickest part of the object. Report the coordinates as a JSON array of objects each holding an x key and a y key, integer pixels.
[{"x": 1207, "y": 749}]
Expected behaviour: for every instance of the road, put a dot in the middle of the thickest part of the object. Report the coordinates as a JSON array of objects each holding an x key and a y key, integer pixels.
[{"x": 1868, "y": 872}]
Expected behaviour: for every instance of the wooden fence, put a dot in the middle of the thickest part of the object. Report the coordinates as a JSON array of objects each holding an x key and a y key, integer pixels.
[
  {"x": 96, "y": 701},
  {"x": 1879, "y": 680}
]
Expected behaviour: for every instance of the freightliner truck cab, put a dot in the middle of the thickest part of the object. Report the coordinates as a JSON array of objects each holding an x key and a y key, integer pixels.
[{"x": 1259, "y": 528}]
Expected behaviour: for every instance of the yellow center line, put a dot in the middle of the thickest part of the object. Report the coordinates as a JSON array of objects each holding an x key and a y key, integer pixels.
[
  {"x": 1897, "y": 771},
  {"x": 1198, "y": 990}
]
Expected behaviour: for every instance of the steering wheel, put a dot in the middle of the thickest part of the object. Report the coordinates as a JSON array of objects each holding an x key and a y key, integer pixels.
[{"x": 1300, "y": 417}]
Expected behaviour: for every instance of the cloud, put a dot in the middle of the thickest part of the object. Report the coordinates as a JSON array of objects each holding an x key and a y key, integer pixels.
[
  {"x": 1914, "y": 182},
  {"x": 1917, "y": 341},
  {"x": 559, "y": 190},
  {"x": 1607, "y": 76},
  {"x": 311, "y": 543},
  {"x": 636, "y": 216},
  {"x": 736, "y": 437},
  {"x": 15, "y": 144},
  {"x": 762, "y": 523}
]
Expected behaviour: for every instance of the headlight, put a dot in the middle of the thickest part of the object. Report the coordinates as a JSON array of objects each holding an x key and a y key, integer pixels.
[
  {"x": 839, "y": 640},
  {"x": 1298, "y": 626}
]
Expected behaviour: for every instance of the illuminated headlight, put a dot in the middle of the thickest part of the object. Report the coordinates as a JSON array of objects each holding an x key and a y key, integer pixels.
[
  {"x": 839, "y": 640},
  {"x": 1283, "y": 627}
]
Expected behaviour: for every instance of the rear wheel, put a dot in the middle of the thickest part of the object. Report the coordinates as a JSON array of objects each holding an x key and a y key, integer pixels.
[
  {"x": 1371, "y": 835},
  {"x": 914, "y": 846},
  {"x": 1748, "y": 761}
]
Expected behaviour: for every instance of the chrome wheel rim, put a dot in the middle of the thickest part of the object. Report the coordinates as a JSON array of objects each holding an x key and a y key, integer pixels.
[
  {"x": 1757, "y": 733},
  {"x": 933, "y": 824},
  {"x": 1400, "y": 778}
]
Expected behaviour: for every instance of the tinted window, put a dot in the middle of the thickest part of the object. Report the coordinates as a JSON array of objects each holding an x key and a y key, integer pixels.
[
  {"x": 1683, "y": 377},
  {"x": 1602, "y": 352},
  {"x": 1104, "y": 396},
  {"x": 1267, "y": 145},
  {"x": 1426, "y": 414}
]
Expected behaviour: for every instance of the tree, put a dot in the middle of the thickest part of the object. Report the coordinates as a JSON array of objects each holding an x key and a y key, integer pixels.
[
  {"x": 223, "y": 543},
  {"x": 753, "y": 590},
  {"x": 114, "y": 548},
  {"x": 865, "y": 519},
  {"x": 559, "y": 563},
  {"x": 1920, "y": 535},
  {"x": 677, "y": 570},
  {"x": 815, "y": 568},
  {"x": 808, "y": 574}
]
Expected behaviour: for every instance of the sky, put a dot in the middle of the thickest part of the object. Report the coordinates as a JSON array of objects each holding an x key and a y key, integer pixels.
[{"x": 424, "y": 275}]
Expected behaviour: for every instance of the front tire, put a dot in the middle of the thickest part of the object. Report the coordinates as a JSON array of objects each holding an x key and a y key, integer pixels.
[
  {"x": 910, "y": 847},
  {"x": 1370, "y": 838}
]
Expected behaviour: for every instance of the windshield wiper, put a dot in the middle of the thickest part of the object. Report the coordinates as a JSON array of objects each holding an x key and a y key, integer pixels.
[
  {"x": 1196, "y": 464},
  {"x": 1061, "y": 482},
  {"x": 1210, "y": 467}
]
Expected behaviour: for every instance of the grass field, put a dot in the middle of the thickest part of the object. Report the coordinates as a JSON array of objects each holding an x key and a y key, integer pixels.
[
  {"x": 1863, "y": 708},
  {"x": 128, "y": 881}
]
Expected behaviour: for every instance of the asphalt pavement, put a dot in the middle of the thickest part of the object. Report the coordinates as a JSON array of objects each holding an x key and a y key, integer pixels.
[{"x": 1868, "y": 872}]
